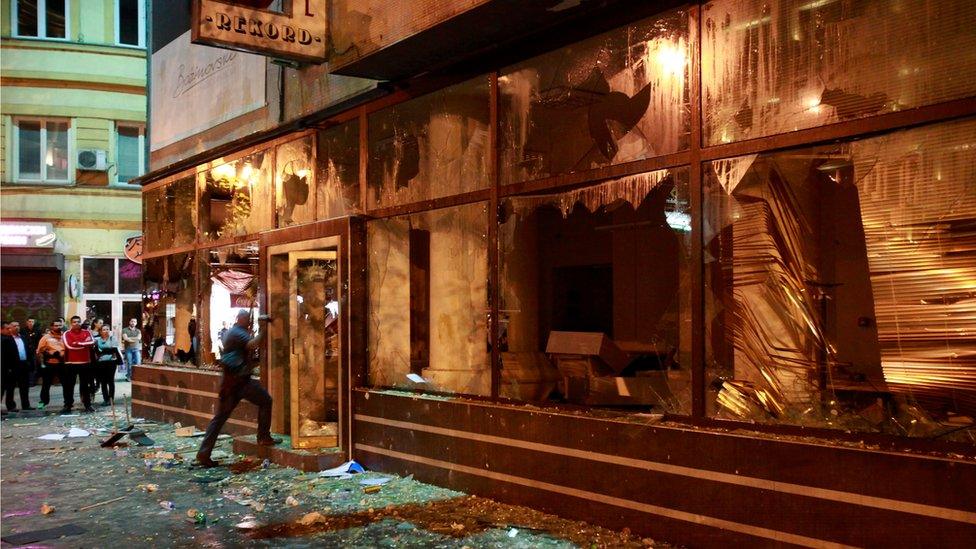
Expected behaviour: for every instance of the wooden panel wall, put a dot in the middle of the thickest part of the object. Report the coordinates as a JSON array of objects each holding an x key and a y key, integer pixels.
[
  {"x": 686, "y": 486},
  {"x": 187, "y": 396}
]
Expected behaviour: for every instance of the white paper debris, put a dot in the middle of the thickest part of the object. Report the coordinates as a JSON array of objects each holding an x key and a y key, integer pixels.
[
  {"x": 51, "y": 436},
  {"x": 76, "y": 433},
  {"x": 416, "y": 378}
]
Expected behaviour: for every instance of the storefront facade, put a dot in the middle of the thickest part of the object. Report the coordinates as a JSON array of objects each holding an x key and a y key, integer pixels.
[{"x": 703, "y": 271}]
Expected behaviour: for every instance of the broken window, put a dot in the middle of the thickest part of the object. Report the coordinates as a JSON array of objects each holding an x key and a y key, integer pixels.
[
  {"x": 337, "y": 191},
  {"x": 430, "y": 147},
  {"x": 596, "y": 296},
  {"x": 294, "y": 181},
  {"x": 236, "y": 198},
  {"x": 839, "y": 284},
  {"x": 229, "y": 282},
  {"x": 428, "y": 304},
  {"x": 170, "y": 309},
  {"x": 170, "y": 215},
  {"x": 773, "y": 67},
  {"x": 614, "y": 98}
]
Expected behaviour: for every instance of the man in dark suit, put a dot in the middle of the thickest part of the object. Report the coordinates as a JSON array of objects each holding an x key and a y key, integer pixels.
[
  {"x": 30, "y": 332},
  {"x": 13, "y": 355}
]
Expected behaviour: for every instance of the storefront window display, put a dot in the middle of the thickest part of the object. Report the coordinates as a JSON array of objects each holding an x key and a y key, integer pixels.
[
  {"x": 170, "y": 310},
  {"x": 774, "y": 67},
  {"x": 430, "y": 147},
  {"x": 617, "y": 97},
  {"x": 839, "y": 284},
  {"x": 237, "y": 198},
  {"x": 337, "y": 192},
  {"x": 595, "y": 294},
  {"x": 229, "y": 282},
  {"x": 170, "y": 213},
  {"x": 428, "y": 300}
]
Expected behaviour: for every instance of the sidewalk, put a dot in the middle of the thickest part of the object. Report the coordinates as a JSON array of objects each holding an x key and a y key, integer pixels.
[
  {"x": 122, "y": 389},
  {"x": 152, "y": 496}
]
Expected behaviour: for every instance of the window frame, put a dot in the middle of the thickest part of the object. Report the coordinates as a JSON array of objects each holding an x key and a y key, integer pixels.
[
  {"x": 115, "y": 182},
  {"x": 116, "y": 296},
  {"x": 41, "y": 22},
  {"x": 141, "y": 25},
  {"x": 43, "y": 180}
]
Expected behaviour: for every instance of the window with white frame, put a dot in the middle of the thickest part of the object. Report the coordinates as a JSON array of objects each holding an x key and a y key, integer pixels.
[
  {"x": 130, "y": 23},
  {"x": 40, "y": 19},
  {"x": 112, "y": 290},
  {"x": 41, "y": 150},
  {"x": 129, "y": 155}
]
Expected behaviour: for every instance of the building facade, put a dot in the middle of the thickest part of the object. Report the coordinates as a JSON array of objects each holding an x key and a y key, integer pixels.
[
  {"x": 704, "y": 270},
  {"x": 73, "y": 137}
]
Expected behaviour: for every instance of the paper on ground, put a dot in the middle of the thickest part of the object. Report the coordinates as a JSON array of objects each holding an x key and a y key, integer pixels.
[
  {"x": 416, "y": 378},
  {"x": 76, "y": 432},
  {"x": 343, "y": 470},
  {"x": 378, "y": 481},
  {"x": 51, "y": 436}
]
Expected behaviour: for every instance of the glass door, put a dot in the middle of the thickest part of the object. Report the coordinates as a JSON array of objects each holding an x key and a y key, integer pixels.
[{"x": 304, "y": 359}]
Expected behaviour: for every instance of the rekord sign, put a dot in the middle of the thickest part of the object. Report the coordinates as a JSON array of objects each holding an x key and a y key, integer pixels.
[{"x": 297, "y": 33}]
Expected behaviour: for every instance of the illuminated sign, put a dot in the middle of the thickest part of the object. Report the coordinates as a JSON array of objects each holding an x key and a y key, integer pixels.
[
  {"x": 298, "y": 33},
  {"x": 27, "y": 235}
]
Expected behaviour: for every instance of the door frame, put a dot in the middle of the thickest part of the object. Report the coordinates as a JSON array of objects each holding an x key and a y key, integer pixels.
[{"x": 351, "y": 233}]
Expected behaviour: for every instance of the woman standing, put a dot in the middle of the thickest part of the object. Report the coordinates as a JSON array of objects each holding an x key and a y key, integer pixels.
[{"x": 107, "y": 359}]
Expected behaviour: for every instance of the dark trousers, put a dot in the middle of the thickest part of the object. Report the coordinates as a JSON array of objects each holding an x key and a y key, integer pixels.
[
  {"x": 85, "y": 376},
  {"x": 47, "y": 373},
  {"x": 105, "y": 376},
  {"x": 232, "y": 389},
  {"x": 16, "y": 378}
]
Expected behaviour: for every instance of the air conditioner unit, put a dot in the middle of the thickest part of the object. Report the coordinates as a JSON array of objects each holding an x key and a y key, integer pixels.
[{"x": 92, "y": 159}]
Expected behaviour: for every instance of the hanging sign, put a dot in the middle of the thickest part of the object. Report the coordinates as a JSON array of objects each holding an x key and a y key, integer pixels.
[
  {"x": 133, "y": 249},
  {"x": 296, "y": 33}
]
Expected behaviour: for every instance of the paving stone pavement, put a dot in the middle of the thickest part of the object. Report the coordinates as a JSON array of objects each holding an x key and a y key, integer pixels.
[{"x": 152, "y": 496}]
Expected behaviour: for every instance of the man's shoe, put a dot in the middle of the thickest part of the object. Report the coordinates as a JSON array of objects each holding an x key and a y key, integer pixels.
[
  {"x": 89, "y": 409},
  {"x": 105, "y": 403},
  {"x": 41, "y": 406},
  {"x": 270, "y": 441},
  {"x": 66, "y": 411},
  {"x": 28, "y": 408},
  {"x": 205, "y": 461},
  {"x": 9, "y": 409}
]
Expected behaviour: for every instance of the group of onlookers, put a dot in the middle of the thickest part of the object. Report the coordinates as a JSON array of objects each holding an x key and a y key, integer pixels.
[{"x": 82, "y": 354}]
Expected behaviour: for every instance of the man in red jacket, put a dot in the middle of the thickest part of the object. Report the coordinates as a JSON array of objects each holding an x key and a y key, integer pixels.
[{"x": 77, "y": 363}]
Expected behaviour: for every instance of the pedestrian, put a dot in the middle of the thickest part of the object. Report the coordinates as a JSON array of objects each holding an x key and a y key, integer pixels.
[
  {"x": 78, "y": 350},
  {"x": 31, "y": 334},
  {"x": 13, "y": 354},
  {"x": 96, "y": 329},
  {"x": 107, "y": 360},
  {"x": 236, "y": 384},
  {"x": 50, "y": 360},
  {"x": 132, "y": 341}
]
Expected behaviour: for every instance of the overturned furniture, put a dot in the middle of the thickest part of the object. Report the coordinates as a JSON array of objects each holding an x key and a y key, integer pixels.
[{"x": 593, "y": 367}]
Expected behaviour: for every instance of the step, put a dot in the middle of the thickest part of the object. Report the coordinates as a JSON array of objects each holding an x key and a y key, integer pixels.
[{"x": 309, "y": 460}]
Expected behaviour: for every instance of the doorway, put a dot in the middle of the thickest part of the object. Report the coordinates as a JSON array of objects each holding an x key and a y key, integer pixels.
[{"x": 305, "y": 362}]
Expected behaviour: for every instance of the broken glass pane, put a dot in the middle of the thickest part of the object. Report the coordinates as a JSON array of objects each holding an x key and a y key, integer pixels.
[
  {"x": 428, "y": 304},
  {"x": 170, "y": 309},
  {"x": 170, "y": 212},
  {"x": 840, "y": 284},
  {"x": 617, "y": 97},
  {"x": 601, "y": 271},
  {"x": 294, "y": 179},
  {"x": 429, "y": 147},
  {"x": 773, "y": 67},
  {"x": 229, "y": 282},
  {"x": 236, "y": 197},
  {"x": 337, "y": 192}
]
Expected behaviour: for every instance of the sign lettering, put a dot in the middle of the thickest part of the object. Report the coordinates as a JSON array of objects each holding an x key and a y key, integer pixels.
[{"x": 299, "y": 35}]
